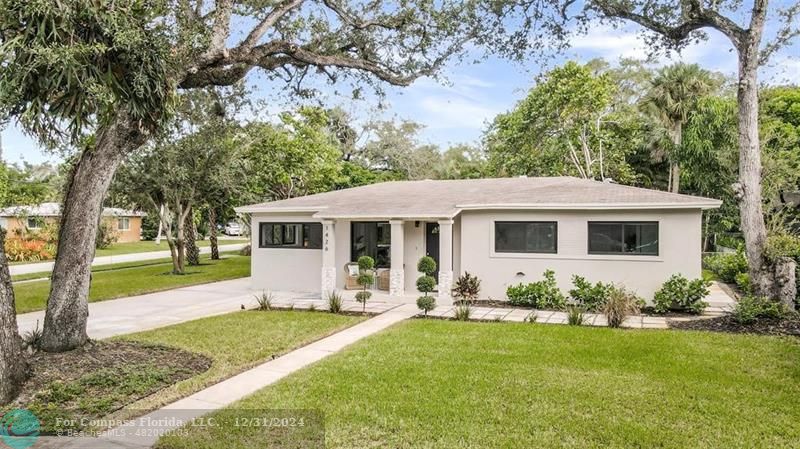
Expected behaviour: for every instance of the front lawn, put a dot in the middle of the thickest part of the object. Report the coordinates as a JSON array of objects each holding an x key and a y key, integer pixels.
[
  {"x": 238, "y": 341},
  {"x": 145, "y": 246},
  {"x": 444, "y": 384},
  {"x": 119, "y": 283}
]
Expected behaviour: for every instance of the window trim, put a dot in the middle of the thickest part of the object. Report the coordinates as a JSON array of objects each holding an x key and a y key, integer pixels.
[
  {"x": 299, "y": 239},
  {"x": 555, "y": 236},
  {"x": 119, "y": 223},
  {"x": 377, "y": 244},
  {"x": 623, "y": 223}
]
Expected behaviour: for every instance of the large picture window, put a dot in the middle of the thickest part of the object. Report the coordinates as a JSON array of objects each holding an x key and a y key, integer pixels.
[
  {"x": 526, "y": 237},
  {"x": 636, "y": 238},
  {"x": 290, "y": 235},
  {"x": 373, "y": 239}
]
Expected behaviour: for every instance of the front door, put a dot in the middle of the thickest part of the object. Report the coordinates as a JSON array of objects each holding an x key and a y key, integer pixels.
[{"x": 432, "y": 244}]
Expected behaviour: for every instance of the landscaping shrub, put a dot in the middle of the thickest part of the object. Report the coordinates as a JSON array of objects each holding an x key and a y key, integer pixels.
[
  {"x": 727, "y": 265},
  {"x": 335, "y": 302},
  {"x": 750, "y": 308},
  {"x": 575, "y": 316},
  {"x": 365, "y": 279},
  {"x": 426, "y": 304},
  {"x": 106, "y": 235},
  {"x": 743, "y": 282},
  {"x": 590, "y": 296},
  {"x": 265, "y": 300},
  {"x": 619, "y": 304},
  {"x": 679, "y": 293},
  {"x": 426, "y": 284},
  {"x": 246, "y": 250},
  {"x": 467, "y": 287},
  {"x": 463, "y": 311},
  {"x": 427, "y": 265},
  {"x": 20, "y": 249},
  {"x": 542, "y": 294}
]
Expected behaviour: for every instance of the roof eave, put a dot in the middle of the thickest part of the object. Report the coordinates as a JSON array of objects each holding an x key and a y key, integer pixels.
[
  {"x": 711, "y": 204},
  {"x": 273, "y": 209}
]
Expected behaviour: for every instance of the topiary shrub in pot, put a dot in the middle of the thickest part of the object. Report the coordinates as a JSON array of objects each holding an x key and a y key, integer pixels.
[
  {"x": 681, "y": 294},
  {"x": 365, "y": 279},
  {"x": 426, "y": 283}
]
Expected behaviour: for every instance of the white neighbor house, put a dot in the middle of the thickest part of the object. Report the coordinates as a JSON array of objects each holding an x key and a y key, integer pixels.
[{"x": 505, "y": 231}]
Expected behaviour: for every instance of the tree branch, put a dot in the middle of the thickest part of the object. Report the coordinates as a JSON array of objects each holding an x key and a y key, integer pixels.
[
  {"x": 220, "y": 31},
  {"x": 789, "y": 29},
  {"x": 268, "y": 22}
]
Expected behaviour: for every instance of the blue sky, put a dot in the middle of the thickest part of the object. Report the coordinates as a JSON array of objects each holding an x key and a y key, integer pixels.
[{"x": 458, "y": 110}]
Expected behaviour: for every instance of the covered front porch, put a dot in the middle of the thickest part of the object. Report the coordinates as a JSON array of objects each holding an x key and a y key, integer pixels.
[{"x": 396, "y": 245}]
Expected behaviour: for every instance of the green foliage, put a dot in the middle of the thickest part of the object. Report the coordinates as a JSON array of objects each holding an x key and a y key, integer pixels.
[
  {"x": 463, "y": 311},
  {"x": 575, "y": 316},
  {"x": 542, "y": 294},
  {"x": 743, "y": 282},
  {"x": 363, "y": 296},
  {"x": 426, "y": 303},
  {"x": 119, "y": 56},
  {"x": 559, "y": 115},
  {"x": 31, "y": 184},
  {"x": 426, "y": 284},
  {"x": 427, "y": 265},
  {"x": 751, "y": 308},
  {"x": 365, "y": 279},
  {"x": 467, "y": 287},
  {"x": 590, "y": 296},
  {"x": 679, "y": 293},
  {"x": 106, "y": 234},
  {"x": 335, "y": 301},
  {"x": 298, "y": 157},
  {"x": 620, "y": 304},
  {"x": 727, "y": 265},
  {"x": 265, "y": 300},
  {"x": 365, "y": 263}
]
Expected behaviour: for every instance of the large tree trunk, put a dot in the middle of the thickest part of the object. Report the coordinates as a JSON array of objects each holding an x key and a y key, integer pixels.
[
  {"x": 212, "y": 233},
  {"x": 769, "y": 279},
  {"x": 13, "y": 365},
  {"x": 67, "y": 305},
  {"x": 192, "y": 251},
  {"x": 674, "y": 165}
]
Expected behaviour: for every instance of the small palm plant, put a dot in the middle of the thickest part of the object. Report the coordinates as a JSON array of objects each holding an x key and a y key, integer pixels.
[
  {"x": 335, "y": 302},
  {"x": 365, "y": 279}
]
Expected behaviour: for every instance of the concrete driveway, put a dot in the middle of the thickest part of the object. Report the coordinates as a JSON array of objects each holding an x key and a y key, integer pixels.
[
  {"x": 47, "y": 267},
  {"x": 137, "y": 313}
]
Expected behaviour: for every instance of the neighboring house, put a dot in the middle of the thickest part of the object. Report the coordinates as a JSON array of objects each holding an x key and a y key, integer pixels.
[
  {"x": 505, "y": 231},
  {"x": 126, "y": 224}
]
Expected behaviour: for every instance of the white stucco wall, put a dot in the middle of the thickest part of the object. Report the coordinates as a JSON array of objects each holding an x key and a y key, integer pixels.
[
  {"x": 679, "y": 250},
  {"x": 284, "y": 269}
]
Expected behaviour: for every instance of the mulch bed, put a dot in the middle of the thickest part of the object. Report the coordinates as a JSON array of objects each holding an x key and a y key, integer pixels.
[
  {"x": 762, "y": 326},
  {"x": 102, "y": 377}
]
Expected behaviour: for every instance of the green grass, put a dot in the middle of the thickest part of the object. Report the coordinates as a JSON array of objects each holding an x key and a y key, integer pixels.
[
  {"x": 236, "y": 342},
  {"x": 111, "y": 283},
  {"x": 148, "y": 245},
  {"x": 100, "y": 268},
  {"x": 144, "y": 246},
  {"x": 444, "y": 384}
]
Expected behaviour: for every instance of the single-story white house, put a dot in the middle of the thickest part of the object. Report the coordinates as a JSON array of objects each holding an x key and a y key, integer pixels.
[{"x": 503, "y": 230}]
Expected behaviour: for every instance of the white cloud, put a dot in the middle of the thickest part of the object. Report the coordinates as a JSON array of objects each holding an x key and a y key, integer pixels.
[{"x": 449, "y": 112}]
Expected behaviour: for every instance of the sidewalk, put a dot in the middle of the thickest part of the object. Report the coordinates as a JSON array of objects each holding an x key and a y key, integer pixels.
[
  {"x": 143, "y": 312},
  {"x": 46, "y": 267},
  {"x": 142, "y": 433}
]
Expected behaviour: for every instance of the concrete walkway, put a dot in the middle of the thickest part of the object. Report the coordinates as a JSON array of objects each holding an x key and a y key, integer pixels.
[
  {"x": 143, "y": 312},
  {"x": 47, "y": 267},
  {"x": 143, "y": 432}
]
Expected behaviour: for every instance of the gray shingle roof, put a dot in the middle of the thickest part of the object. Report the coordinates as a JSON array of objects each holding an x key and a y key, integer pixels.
[
  {"x": 54, "y": 210},
  {"x": 428, "y": 198}
]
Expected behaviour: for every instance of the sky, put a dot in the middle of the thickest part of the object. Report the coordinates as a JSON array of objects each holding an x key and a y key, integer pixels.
[{"x": 458, "y": 109}]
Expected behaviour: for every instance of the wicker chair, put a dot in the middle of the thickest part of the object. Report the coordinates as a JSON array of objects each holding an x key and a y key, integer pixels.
[
  {"x": 383, "y": 279},
  {"x": 350, "y": 279}
]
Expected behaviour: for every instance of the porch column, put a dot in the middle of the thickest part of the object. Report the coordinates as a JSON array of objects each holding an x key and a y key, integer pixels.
[
  {"x": 328, "y": 258},
  {"x": 445, "y": 297},
  {"x": 396, "y": 271}
]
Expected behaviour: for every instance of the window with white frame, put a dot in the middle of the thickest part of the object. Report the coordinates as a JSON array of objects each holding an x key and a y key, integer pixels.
[{"x": 123, "y": 223}]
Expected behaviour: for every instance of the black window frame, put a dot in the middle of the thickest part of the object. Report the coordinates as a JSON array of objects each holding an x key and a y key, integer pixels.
[
  {"x": 373, "y": 247},
  {"x": 302, "y": 235},
  {"x": 526, "y": 251},
  {"x": 622, "y": 224}
]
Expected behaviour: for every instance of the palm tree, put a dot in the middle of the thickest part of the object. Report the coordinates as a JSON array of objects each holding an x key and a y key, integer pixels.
[{"x": 672, "y": 95}]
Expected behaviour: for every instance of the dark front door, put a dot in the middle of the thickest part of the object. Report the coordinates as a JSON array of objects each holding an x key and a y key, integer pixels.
[{"x": 432, "y": 244}]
